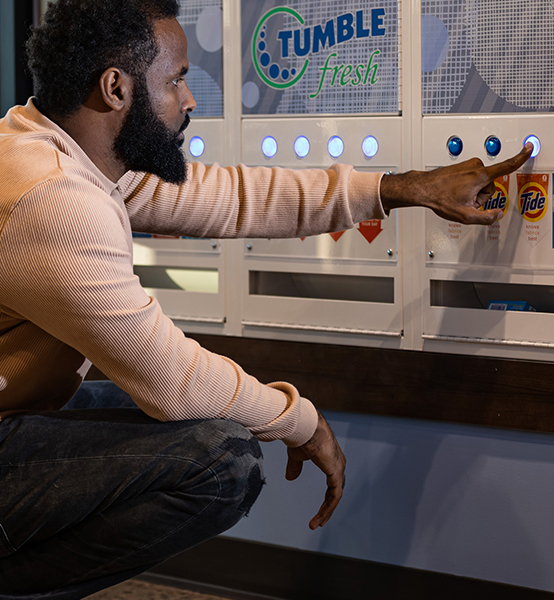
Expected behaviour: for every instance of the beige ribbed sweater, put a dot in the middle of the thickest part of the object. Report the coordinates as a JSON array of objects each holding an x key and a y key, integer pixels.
[{"x": 68, "y": 295}]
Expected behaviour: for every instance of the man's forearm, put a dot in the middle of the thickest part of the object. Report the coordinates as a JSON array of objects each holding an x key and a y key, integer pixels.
[{"x": 456, "y": 193}]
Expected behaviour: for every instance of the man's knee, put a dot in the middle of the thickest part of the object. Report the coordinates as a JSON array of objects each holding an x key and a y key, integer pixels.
[{"x": 239, "y": 458}]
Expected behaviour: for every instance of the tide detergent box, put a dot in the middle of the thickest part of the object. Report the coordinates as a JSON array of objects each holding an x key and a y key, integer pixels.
[{"x": 511, "y": 305}]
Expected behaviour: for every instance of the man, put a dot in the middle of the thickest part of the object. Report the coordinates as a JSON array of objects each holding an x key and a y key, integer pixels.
[{"x": 92, "y": 497}]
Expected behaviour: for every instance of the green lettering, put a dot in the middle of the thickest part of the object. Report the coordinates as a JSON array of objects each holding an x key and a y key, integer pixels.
[
  {"x": 359, "y": 77},
  {"x": 348, "y": 74},
  {"x": 345, "y": 74},
  {"x": 372, "y": 68},
  {"x": 336, "y": 69},
  {"x": 324, "y": 70}
]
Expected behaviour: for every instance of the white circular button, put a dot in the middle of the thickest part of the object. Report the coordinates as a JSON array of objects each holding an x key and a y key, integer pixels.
[
  {"x": 335, "y": 146},
  {"x": 302, "y": 146},
  {"x": 536, "y": 144},
  {"x": 197, "y": 146},
  {"x": 269, "y": 146},
  {"x": 370, "y": 146}
]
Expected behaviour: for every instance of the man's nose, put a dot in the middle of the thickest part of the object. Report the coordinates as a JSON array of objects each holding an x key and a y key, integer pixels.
[{"x": 189, "y": 103}]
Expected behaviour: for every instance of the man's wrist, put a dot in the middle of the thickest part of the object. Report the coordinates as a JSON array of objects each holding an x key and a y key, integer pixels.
[{"x": 399, "y": 190}]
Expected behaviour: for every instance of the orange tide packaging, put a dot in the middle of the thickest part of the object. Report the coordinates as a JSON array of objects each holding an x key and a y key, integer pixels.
[
  {"x": 500, "y": 199},
  {"x": 532, "y": 204}
]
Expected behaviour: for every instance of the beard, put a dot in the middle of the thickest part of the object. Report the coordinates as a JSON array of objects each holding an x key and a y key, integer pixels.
[{"x": 145, "y": 143}]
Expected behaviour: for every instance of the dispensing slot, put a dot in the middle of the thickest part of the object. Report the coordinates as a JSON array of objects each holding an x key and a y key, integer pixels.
[
  {"x": 351, "y": 288},
  {"x": 478, "y": 295},
  {"x": 175, "y": 278}
]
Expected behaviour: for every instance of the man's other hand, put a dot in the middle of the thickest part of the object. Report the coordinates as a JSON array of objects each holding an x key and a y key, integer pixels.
[
  {"x": 455, "y": 193},
  {"x": 324, "y": 451}
]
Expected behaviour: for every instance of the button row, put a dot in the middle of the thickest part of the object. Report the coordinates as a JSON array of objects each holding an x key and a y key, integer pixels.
[
  {"x": 493, "y": 145},
  {"x": 370, "y": 146},
  {"x": 335, "y": 146}
]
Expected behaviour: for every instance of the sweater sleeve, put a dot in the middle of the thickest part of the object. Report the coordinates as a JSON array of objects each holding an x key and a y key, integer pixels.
[
  {"x": 69, "y": 271},
  {"x": 251, "y": 202}
]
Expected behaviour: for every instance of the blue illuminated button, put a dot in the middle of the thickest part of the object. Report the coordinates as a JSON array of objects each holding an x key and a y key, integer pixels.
[
  {"x": 493, "y": 145},
  {"x": 269, "y": 146},
  {"x": 536, "y": 144},
  {"x": 455, "y": 145},
  {"x": 370, "y": 146},
  {"x": 335, "y": 146},
  {"x": 302, "y": 146},
  {"x": 196, "y": 146}
]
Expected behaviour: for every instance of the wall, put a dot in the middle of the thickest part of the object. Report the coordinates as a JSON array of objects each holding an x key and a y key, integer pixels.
[
  {"x": 7, "y": 49},
  {"x": 468, "y": 501}
]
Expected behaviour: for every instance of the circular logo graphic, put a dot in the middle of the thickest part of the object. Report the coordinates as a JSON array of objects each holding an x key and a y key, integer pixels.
[
  {"x": 532, "y": 202},
  {"x": 270, "y": 71}
]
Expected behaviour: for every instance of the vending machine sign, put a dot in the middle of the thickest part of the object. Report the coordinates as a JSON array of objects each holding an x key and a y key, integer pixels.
[
  {"x": 487, "y": 56},
  {"x": 310, "y": 56},
  {"x": 532, "y": 202}
]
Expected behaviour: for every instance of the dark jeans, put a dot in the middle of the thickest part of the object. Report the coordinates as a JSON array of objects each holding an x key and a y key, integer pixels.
[{"x": 92, "y": 496}]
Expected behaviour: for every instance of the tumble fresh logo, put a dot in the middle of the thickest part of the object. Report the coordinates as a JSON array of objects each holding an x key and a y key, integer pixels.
[
  {"x": 532, "y": 201},
  {"x": 295, "y": 44}
]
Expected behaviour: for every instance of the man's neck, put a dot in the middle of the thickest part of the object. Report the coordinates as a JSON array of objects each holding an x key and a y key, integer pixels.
[{"x": 93, "y": 131}]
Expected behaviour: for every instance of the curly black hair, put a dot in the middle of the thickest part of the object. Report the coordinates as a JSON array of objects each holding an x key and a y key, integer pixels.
[{"x": 80, "y": 39}]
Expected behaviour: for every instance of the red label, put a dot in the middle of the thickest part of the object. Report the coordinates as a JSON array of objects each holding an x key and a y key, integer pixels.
[
  {"x": 370, "y": 229},
  {"x": 337, "y": 235}
]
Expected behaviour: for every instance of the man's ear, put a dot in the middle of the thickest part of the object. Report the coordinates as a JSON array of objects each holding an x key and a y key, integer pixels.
[{"x": 116, "y": 88}]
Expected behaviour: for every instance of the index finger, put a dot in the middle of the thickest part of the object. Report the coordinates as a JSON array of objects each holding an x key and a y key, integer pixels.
[{"x": 512, "y": 164}]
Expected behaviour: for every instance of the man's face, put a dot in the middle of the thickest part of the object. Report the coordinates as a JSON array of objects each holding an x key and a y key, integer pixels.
[{"x": 152, "y": 134}]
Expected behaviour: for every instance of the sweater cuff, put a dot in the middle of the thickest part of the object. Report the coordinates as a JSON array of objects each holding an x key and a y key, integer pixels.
[
  {"x": 364, "y": 196},
  {"x": 300, "y": 417},
  {"x": 307, "y": 424}
]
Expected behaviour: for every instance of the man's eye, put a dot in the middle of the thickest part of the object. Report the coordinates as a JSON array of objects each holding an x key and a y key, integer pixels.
[{"x": 177, "y": 81}]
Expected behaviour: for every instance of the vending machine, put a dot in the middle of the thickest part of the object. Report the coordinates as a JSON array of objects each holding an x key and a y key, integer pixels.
[
  {"x": 486, "y": 90},
  {"x": 383, "y": 86},
  {"x": 321, "y": 84}
]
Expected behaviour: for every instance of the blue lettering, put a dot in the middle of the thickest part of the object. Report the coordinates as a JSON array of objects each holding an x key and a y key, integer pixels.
[
  {"x": 322, "y": 36},
  {"x": 298, "y": 50},
  {"x": 325, "y": 36},
  {"x": 377, "y": 16},
  {"x": 345, "y": 30},
  {"x": 360, "y": 31},
  {"x": 525, "y": 202},
  {"x": 496, "y": 201},
  {"x": 284, "y": 36},
  {"x": 531, "y": 201}
]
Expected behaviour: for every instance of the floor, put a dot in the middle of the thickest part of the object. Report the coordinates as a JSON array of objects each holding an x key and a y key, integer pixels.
[{"x": 141, "y": 590}]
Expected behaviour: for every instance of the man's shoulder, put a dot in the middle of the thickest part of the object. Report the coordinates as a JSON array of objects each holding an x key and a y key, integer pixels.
[
  {"x": 36, "y": 164},
  {"x": 26, "y": 159},
  {"x": 33, "y": 150},
  {"x": 53, "y": 189}
]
